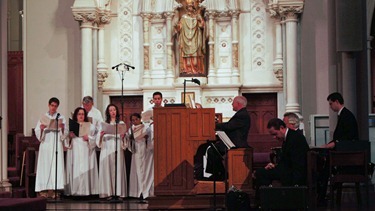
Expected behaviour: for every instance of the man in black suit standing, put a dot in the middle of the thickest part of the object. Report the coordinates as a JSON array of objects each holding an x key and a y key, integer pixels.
[
  {"x": 237, "y": 129},
  {"x": 291, "y": 169},
  {"x": 347, "y": 127}
]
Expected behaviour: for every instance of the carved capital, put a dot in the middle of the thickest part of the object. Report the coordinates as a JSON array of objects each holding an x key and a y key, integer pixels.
[
  {"x": 210, "y": 14},
  {"x": 222, "y": 14},
  {"x": 158, "y": 16},
  {"x": 85, "y": 16},
  {"x": 234, "y": 13},
  {"x": 169, "y": 15},
  {"x": 285, "y": 11},
  {"x": 146, "y": 16},
  {"x": 101, "y": 79},
  {"x": 278, "y": 8},
  {"x": 104, "y": 17}
]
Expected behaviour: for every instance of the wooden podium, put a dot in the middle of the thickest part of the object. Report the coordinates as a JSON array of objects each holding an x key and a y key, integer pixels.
[{"x": 178, "y": 132}]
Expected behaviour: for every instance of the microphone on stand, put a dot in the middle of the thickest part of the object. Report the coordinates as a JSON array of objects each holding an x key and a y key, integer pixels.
[
  {"x": 116, "y": 66},
  {"x": 126, "y": 65},
  {"x": 57, "y": 116}
]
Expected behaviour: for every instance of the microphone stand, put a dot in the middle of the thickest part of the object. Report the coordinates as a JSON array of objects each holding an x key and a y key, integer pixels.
[
  {"x": 194, "y": 80},
  {"x": 115, "y": 198},
  {"x": 56, "y": 152}
]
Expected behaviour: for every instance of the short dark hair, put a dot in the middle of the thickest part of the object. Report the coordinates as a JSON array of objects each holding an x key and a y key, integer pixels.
[
  {"x": 276, "y": 123},
  {"x": 136, "y": 115},
  {"x": 54, "y": 100},
  {"x": 157, "y": 93},
  {"x": 336, "y": 96}
]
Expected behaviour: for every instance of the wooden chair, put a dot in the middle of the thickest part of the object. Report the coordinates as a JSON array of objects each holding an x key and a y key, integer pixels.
[
  {"x": 312, "y": 178},
  {"x": 348, "y": 167},
  {"x": 30, "y": 170}
]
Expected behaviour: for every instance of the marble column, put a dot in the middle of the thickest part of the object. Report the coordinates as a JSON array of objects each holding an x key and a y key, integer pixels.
[
  {"x": 169, "y": 44},
  {"x": 292, "y": 104},
  {"x": 95, "y": 32},
  {"x": 86, "y": 19},
  {"x": 278, "y": 62},
  {"x": 5, "y": 186},
  {"x": 146, "y": 48},
  {"x": 211, "y": 48},
  {"x": 235, "y": 71},
  {"x": 102, "y": 67}
]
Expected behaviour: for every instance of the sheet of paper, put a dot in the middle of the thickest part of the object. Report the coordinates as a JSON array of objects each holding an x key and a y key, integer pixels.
[
  {"x": 223, "y": 136},
  {"x": 111, "y": 129},
  {"x": 147, "y": 115},
  {"x": 50, "y": 123},
  {"x": 84, "y": 129}
]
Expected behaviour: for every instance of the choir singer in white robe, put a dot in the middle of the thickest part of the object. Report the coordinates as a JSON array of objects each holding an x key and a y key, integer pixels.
[
  {"x": 82, "y": 176},
  {"x": 107, "y": 143},
  {"x": 96, "y": 119},
  {"x": 47, "y": 133},
  {"x": 138, "y": 142}
]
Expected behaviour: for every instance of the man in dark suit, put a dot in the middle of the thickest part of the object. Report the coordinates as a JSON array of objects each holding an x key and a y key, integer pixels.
[
  {"x": 237, "y": 129},
  {"x": 291, "y": 169},
  {"x": 347, "y": 127}
]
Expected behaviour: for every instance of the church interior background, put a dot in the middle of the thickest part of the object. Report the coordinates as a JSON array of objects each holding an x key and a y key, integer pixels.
[{"x": 273, "y": 52}]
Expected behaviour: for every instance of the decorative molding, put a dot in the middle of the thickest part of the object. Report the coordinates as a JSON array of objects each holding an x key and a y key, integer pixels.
[
  {"x": 146, "y": 57},
  {"x": 219, "y": 99},
  {"x": 258, "y": 28},
  {"x": 126, "y": 31},
  {"x": 101, "y": 79},
  {"x": 166, "y": 100},
  {"x": 279, "y": 74},
  {"x": 235, "y": 55}
]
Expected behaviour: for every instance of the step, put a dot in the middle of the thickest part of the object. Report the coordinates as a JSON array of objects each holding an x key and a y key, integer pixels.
[
  {"x": 15, "y": 181},
  {"x": 12, "y": 172},
  {"x": 19, "y": 192},
  {"x": 5, "y": 194}
]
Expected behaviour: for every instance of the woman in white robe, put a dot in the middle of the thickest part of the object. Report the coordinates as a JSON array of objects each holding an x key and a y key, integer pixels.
[
  {"x": 138, "y": 142},
  {"x": 47, "y": 134},
  {"x": 81, "y": 172},
  {"x": 107, "y": 143}
]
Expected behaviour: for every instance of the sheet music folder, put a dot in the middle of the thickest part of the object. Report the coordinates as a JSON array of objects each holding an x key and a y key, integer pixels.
[{"x": 226, "y": 140}]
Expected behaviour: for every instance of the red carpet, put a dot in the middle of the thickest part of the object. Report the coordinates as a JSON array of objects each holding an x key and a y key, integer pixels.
[{"x": 13, "y": 204}]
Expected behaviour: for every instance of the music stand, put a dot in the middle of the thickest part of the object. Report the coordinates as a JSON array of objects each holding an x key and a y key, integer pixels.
[
  {"x": 217, "y": 152},
  {"x": 228, "y": 145}
]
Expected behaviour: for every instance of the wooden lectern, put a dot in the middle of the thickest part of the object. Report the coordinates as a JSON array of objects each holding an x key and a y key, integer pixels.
[{"x": 178, "y": 132}]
